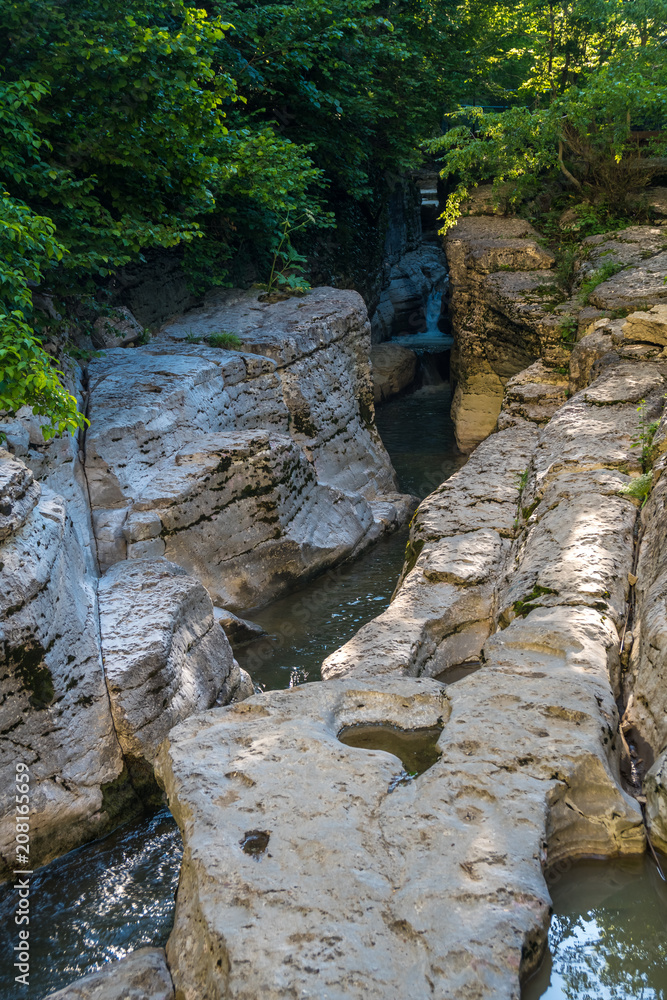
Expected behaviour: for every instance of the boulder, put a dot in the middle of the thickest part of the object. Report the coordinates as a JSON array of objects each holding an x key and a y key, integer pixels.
[
  {"x": 54, "y": 714},
  {"x": 238, "y": 630},
  {"x": 394, "y": 368},
  {"x": 650, "y": 326},
  {"x": 251, "y": 469},
  {"x": 120, "y": 329},
  {"x": 164, "y": 655},
  {"x": 313, "y": 868},
  {"x": 143, "y": 975}
]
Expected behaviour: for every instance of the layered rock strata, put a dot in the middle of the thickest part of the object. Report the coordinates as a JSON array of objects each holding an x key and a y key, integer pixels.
[
  {"x": 54, "y": 715},
  {"x": 165, "y": 656},
  {"x": 252, "y": 470},
  {"x": 499, "y": 284}
]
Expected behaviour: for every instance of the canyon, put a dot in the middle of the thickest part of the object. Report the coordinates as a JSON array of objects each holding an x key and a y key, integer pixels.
[{"x": 528, "y": 625}]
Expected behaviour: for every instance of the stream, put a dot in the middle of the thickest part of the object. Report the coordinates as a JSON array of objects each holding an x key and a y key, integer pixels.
[{"x": 107, "y": 898}]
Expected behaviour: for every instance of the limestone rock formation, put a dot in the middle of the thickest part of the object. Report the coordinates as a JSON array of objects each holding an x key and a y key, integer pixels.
[
  {"x": 394, "y": 369},
  {"x": 650, "y": 326},
  {"x": 655, "y": 790},
  {"x": 54, "y": 714},
  {"x": 499, "y": 275},
  {"x": 165, "y": 657},
  {"x": 251, "y": 470},
  {"x": 352, "y": 885},
  {"x": 143, "y": 975},
  {"x": 118, "y": 330},
  {"x": 442, "y": 612}
]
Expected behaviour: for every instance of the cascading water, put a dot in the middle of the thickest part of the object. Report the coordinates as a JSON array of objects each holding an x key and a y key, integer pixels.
[{"x": 432, "y": 339}]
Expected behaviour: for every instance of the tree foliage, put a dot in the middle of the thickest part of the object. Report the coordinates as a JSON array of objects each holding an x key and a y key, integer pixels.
[{"x": 590, "y": 105}]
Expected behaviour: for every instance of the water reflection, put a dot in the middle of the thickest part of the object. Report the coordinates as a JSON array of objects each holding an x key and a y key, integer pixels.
[
  {"x": 608, "y": 935},
  {"x": 95, "y": 904}
]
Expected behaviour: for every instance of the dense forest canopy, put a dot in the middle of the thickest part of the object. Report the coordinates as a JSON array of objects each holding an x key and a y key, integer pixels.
[{"x": 221, "y": 128}]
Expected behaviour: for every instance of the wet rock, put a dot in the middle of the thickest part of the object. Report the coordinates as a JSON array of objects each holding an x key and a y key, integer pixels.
[
  {"x": 164, "y": 655},
  {"x": 54, "y": 714},
  {"x": 432, "y": 888},
  {"x": 238, "y": 630},
  {"x": 394, "y": 368},
  {"x": 655, "y": 790},
  {"x": 408, "y": 285},
  {"x": 143, "y": 975}
]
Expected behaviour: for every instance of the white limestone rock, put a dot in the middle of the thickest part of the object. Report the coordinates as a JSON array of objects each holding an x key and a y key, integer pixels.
[
  {"x": 142, "y": 975},
  {"x": 432, "y": 889},
  {"x": 165, "y": 656},
  {"x": 54, "y": 709},
  {"x": 442, "y": 611},
  {"x": 250, "y": 470}
]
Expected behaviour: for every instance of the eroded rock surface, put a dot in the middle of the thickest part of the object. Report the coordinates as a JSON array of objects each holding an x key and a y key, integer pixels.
[
  {"x": 434, "y": 888},
  {"x": 143, "y": 975},
  {"x": 165, "y": 656},
  {"x": 442, "y": 612},
  {"x": 250, "y": 469},
  {"x": 393, "y": 367},
  {"x": 409, "y": 283},
  {"x": 54, "y": 713},
  {"x": 655, "y": 790},
  {"x": 500, "y": 277}
]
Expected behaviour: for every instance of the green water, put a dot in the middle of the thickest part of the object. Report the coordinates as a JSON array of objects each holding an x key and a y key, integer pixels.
[
  {"x": 608, "y": 935},
  {"x": 415, "y": 748},
  {"x": 310, "y": 623}
]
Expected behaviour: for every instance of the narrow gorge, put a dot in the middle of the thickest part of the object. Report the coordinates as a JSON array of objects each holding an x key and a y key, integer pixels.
[{"x": 254, "y": 551}]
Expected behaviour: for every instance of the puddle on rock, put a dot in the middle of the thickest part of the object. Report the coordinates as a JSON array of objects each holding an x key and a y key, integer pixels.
[
  {"x": 457, "y": 672},
  {"x": 415, "y": 748},
  {"x": 608, "y": 934}
]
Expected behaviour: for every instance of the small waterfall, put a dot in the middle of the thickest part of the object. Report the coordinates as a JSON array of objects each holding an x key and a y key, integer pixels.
[
  {"x": 430, "y": 338},
  {"x": 433, "y": 310}
]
